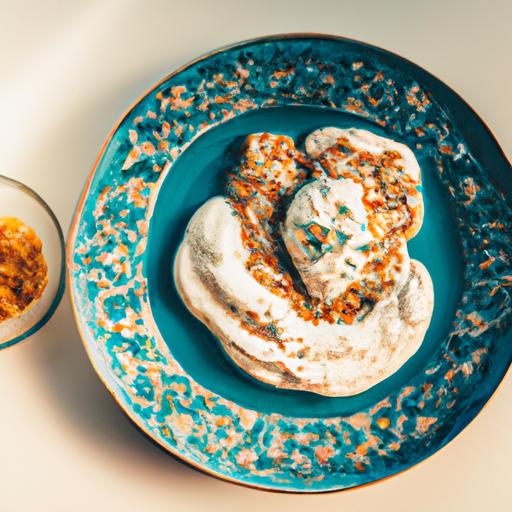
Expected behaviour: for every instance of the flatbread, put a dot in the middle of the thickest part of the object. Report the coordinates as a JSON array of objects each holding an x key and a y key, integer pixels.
[{"x": 327, "y": 337}]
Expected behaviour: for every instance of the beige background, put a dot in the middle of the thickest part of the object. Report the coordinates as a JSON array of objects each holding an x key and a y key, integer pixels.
[{"x": 68, "y": 71}]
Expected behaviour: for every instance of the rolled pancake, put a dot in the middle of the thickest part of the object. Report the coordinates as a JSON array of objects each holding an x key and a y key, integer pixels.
[
  {"x": 359, "y": 309},
  {"x": 341, "y": 253}
]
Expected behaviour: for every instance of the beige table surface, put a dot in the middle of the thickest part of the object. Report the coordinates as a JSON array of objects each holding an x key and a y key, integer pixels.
[{"x": 68, "y": 71}]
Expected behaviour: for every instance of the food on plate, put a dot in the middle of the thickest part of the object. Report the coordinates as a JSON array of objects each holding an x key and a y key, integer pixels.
[{"x": 302, "y": 271}]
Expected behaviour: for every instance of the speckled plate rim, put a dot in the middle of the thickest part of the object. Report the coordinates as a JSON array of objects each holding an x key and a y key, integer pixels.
[
  {"x": 79, "y": 208},
  {"x": 62, "y": 270}
]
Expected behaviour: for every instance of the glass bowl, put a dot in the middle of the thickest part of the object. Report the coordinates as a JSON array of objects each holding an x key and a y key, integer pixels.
[{"x": 18, "y": 200}]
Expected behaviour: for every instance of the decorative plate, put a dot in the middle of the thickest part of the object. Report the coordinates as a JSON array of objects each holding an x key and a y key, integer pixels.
[{"x": 169, "y": 154}]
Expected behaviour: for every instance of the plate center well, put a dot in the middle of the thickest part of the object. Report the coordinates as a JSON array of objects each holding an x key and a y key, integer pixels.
[{"x": 198, "y": 174}]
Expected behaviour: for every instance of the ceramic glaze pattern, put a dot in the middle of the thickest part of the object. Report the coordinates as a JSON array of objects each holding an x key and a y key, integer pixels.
[{"x": 109, "y": 286}]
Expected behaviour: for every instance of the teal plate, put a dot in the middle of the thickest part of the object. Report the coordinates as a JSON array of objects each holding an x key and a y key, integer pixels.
[{"x": 170, "y": 153}]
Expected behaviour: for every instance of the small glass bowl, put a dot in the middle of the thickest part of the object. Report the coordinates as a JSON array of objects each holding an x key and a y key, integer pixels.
[{"x": 18, "y": 200}]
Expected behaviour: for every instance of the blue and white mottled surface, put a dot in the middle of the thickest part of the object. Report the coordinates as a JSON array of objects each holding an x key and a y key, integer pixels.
[{"x": 110, "y": 289}]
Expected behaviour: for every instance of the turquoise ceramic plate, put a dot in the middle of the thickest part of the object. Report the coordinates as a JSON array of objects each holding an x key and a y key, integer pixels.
[{"x": 169, "y": 154}]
